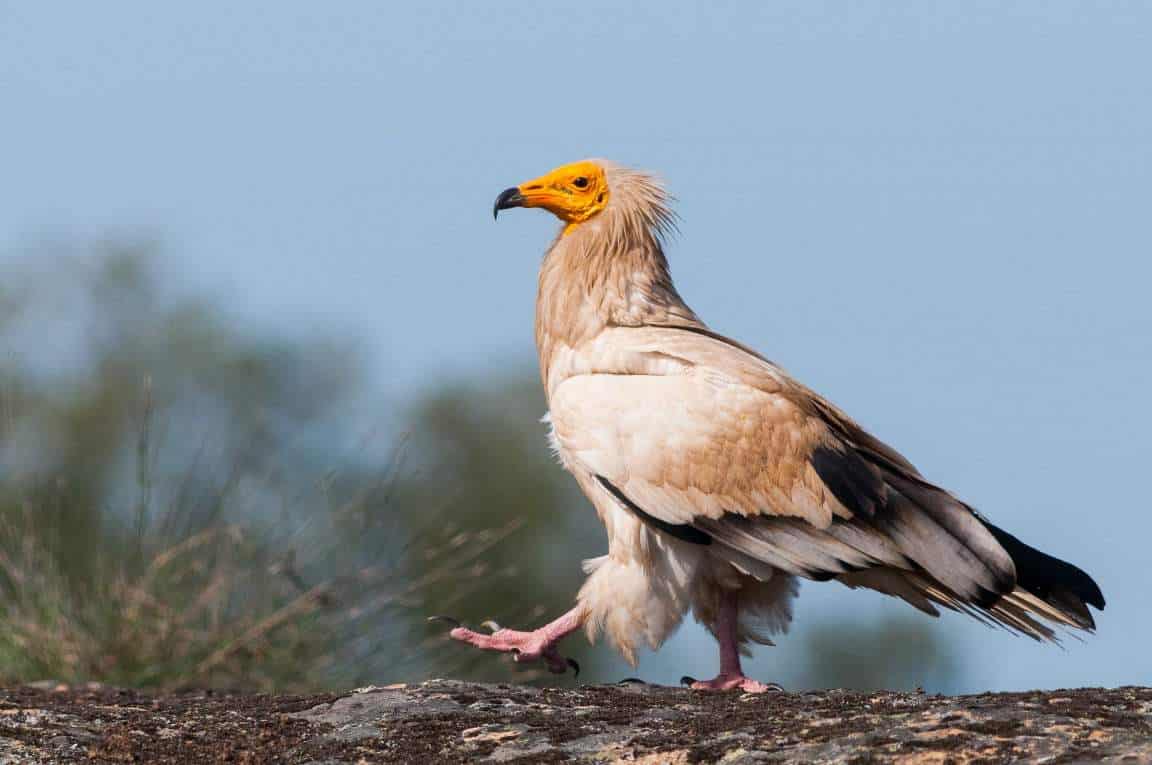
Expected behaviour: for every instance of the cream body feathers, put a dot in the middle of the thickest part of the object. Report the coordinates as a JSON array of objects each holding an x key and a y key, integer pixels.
[{"x": 712, "y": 469}]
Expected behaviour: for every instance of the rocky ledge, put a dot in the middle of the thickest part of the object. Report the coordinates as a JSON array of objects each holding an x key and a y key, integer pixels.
[{"x": 443, "y": 721}]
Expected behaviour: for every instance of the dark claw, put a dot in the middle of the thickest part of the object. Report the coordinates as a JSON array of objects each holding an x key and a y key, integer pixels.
[
  {"x": 446, "y": 619},
  {"x": 575, "y": 665},
  {"x": 687, "y": 680}
]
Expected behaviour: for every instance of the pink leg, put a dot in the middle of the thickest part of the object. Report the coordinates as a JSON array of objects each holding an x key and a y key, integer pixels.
[
  {"x": 731, "y": 675},
  {"x": 526, "y": 646}
]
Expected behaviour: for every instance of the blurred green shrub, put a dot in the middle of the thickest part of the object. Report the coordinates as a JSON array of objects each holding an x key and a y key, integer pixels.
[
  {"x": 893, "y": 648},
  {"x": 178, "y": 503}
]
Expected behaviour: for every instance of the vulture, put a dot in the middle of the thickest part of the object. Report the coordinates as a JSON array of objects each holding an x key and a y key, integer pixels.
[{"x": 722, "y": 481}]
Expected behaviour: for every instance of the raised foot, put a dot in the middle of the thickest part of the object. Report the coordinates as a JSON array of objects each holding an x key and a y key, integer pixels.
[
  {"x": 730, "y": 683},
  {"x": 524, "y": 646}
]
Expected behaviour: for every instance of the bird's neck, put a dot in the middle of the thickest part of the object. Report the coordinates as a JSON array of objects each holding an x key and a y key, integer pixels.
[{"x": 592, "y": 279}]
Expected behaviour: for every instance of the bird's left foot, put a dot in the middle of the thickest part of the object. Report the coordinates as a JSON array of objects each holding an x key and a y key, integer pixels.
[
  {"x": 538, "y": 645},
  {"x": 728, "y": 683}
]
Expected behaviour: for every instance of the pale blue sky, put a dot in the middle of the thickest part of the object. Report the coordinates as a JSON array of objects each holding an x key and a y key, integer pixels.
[{"x": 937, "y": 214}]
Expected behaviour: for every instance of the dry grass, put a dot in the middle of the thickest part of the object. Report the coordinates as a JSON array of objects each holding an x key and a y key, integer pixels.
[{"x": 225, "y": 605}]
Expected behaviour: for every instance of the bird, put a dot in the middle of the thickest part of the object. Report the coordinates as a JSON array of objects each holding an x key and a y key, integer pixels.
[{"x": 721, "y": 480}]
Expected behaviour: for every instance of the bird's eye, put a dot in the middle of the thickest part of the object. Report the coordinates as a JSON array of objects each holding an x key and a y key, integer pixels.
[{"x": 580, "y": 183}]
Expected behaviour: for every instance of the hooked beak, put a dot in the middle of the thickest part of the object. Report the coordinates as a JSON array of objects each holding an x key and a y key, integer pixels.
[{"x": 508, "y": 198}]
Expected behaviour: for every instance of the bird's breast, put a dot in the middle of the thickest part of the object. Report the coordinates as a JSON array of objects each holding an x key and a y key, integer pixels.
[{"x": 608, "y": 353}]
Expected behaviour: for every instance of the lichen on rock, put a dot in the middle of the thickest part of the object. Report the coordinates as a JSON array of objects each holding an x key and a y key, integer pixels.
[{"x": 446, "y": 721}]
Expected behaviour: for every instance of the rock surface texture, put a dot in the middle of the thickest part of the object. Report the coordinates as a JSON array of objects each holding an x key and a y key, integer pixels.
[{"x": 446, "y": 722}]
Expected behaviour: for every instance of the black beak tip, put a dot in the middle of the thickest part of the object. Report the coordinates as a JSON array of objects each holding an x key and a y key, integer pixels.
[{"x": 508, "y": 198}]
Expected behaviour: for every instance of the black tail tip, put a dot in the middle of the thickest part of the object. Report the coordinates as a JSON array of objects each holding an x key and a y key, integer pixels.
[{"x": 1049, "y": 578}]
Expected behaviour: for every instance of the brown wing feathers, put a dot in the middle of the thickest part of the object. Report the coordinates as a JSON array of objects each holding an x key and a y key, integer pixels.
[
  {"x": 1024, "y": 580},
  {"x": 906, "y": 538},
  {"x": 682, "y": 531}
]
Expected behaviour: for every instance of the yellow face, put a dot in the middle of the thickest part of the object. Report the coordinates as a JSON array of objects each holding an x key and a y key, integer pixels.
[{"x": 573, "y": 193}]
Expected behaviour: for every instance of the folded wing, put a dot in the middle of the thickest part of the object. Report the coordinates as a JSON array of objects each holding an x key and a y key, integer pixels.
[{"x": 710, "y": 443}]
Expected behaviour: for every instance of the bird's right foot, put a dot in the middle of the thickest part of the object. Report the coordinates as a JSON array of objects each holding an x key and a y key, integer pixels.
[{"x": 729, "y": 682}]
